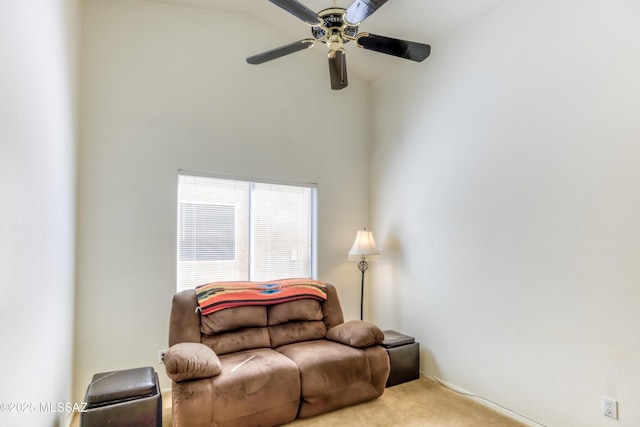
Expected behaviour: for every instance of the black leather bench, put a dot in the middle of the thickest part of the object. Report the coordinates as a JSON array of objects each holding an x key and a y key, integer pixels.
[
  {"x": 404, "y": 357},
  {"x": 130, "y": 397}
]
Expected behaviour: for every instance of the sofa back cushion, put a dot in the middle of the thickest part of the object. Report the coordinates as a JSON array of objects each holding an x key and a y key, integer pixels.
[
  {"x": 299, "y": 310},
  {"x": 249, "y": 316},
  {"x": 235, "y": 329},
  {"x": 295, "y": 321},
  {"x": 238, "y": 340},
  {"x": 243, "y": 328},
  {"x": 290, "y": 332}
]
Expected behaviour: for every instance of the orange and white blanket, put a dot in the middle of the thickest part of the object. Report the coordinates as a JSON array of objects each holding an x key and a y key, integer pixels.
[{"x": 217, "y": 296}]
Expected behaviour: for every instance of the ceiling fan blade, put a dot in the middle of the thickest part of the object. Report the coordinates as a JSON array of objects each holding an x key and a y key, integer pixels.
[
  {"x": 361, "y": 10},
  {"x": 299, "y": 10},
  {"x": 281, "y": 51},
  {"x": 402, "y": 48},
  {"x": 338, "y": 69}
]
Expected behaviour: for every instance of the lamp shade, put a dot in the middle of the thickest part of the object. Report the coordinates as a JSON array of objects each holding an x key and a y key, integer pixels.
[{"x": 364, "y": 247}]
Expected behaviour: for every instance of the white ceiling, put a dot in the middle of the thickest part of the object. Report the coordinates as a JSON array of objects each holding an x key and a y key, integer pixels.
[{"x": 423, "y": 21}]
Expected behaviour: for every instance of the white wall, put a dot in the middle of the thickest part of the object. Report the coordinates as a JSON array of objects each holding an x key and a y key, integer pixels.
[
  {"x": 506, "y": 202},
  {"x": 38, "y": 51},
  {"x": 167, "y": 88}
]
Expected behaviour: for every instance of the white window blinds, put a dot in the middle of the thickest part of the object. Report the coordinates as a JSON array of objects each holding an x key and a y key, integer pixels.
[{"x": 243, "y": 230}]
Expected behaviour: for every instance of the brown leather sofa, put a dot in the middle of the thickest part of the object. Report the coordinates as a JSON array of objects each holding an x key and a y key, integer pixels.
[{"x": 267, "y": 365}]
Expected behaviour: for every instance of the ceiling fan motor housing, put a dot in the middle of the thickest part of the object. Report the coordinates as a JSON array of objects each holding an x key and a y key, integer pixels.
[{"x": 334, "y": 27}]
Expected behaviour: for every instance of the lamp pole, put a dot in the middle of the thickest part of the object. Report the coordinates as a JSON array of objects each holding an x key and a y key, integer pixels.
[
  {"x": 364, "y": 247},
  {"x": 362, "y": 265}
]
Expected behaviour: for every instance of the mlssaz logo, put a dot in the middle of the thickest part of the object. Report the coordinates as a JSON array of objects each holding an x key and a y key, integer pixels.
[{"x": 63, "y": 407}]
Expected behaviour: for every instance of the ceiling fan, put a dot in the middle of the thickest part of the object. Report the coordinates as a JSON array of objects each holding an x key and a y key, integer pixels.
[{"x": 336, "y": 26}]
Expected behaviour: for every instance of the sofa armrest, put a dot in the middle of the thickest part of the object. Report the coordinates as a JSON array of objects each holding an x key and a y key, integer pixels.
[
  {"x": 190, "y": 361},
  {"x": 356, "y": 333}
]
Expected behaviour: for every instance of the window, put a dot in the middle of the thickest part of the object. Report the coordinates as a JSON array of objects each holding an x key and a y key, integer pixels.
[
  {"x": 207, "y": 232},
  {"x": 236, "y": 229}
]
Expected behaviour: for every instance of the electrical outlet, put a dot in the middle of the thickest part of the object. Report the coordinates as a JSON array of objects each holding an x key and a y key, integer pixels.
[
  {"x": 161, "y": 356},
  {"x": 610, "y": 407}
]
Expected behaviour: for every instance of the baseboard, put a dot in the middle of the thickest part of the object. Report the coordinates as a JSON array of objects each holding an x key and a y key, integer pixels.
[{"x": 483, "y": 401}]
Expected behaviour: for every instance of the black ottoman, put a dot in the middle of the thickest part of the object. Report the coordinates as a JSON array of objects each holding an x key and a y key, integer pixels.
[
  {"x": 130, "y": 397},
  {"x": 404, "y": 357}
]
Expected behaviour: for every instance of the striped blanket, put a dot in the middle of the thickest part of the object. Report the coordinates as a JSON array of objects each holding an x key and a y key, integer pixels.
[{"x": 217, "y": 296}]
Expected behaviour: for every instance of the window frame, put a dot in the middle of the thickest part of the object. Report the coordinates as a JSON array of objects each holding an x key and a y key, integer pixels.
[{"x": 251, "y": 180}]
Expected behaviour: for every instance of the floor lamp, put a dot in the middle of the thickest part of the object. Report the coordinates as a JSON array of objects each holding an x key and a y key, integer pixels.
[{"x": 363, "y": 249}]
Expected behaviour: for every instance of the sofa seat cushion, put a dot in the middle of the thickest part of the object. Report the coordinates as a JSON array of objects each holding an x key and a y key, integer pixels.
[
  {"x": 258, "y": 387},
  {"x": 334, "y": 375}
]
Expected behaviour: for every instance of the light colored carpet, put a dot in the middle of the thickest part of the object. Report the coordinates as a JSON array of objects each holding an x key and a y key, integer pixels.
[{"x": 422, "y": 403}]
